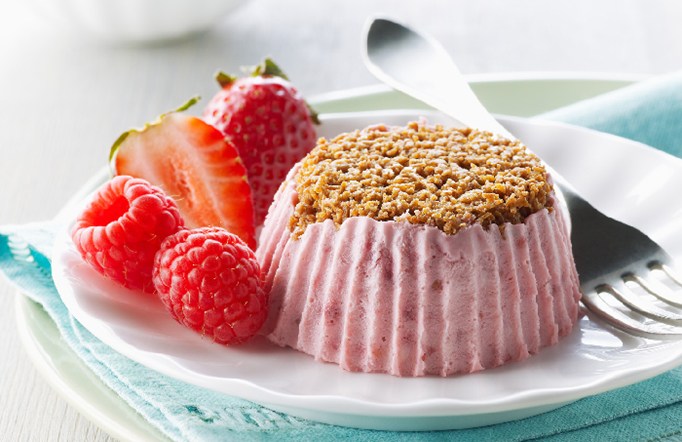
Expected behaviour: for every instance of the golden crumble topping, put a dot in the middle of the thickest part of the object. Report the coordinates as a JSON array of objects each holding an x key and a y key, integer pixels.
[{"x": 447, "y": 178}]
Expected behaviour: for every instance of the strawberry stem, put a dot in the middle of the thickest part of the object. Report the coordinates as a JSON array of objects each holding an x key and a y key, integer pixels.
[
  {"x": 186, "y": 105},
  {"x": 189, "y": 103},
  {"x": 268, "y": 68},
  {"x": 313, "y": 114},
  {"x": 224, "y": 79},
  {"x": 117, "y": 144}
]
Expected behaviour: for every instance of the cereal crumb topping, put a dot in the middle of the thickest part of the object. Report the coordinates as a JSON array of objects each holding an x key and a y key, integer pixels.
[{"x": 443, "y": 177}]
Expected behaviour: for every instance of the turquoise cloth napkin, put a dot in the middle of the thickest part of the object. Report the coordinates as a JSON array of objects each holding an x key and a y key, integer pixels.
[{"x": 650, "y": 112}]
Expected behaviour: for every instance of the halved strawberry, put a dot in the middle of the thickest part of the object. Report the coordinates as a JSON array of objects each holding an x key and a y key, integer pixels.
[
  {"x": 196, "y": 166},
  {"x": 269, "y": 122}
]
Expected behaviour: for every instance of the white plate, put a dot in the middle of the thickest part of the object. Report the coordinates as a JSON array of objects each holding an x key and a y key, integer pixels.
[
  {"x": 592, "y": 359},
  {"x": 521, "y": 94}
]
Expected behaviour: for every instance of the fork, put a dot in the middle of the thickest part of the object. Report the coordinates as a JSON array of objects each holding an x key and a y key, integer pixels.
[{"x": 617, "y": 264}]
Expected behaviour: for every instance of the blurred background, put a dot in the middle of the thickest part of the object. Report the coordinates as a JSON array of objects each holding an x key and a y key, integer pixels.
[
  {"x": 75, "y": 73},
  {"x": 66, "y": 89}
]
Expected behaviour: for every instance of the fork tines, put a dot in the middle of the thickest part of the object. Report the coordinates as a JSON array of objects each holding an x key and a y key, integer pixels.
[{"x": 641, "y": 304}]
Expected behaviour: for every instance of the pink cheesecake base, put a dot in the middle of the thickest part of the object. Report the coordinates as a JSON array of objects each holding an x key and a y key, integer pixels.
[{"x": 409, "y": 300}]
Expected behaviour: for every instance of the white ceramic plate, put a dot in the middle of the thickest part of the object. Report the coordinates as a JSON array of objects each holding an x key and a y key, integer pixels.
[
  {"x": 522, "y": 94},
  {"x": 592, "y": 359}
]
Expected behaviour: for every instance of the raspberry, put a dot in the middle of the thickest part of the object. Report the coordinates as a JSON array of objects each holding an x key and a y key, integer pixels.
[
  {"x": 210, "y": 281},
  {"x": 122, "y": 228}
]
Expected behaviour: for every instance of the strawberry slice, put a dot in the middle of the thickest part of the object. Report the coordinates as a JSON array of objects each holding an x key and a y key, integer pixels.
[{"x": 196, "y": 166}]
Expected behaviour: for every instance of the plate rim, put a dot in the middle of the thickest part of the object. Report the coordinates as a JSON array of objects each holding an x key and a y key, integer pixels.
[{"x": 512, "y": 77}]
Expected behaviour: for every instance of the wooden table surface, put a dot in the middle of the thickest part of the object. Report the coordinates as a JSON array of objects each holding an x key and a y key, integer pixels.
[{"x": 64, "y": 97}]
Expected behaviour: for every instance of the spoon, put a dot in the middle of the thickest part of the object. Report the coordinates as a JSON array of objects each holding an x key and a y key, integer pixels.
[{"x": 420, "y": 67}]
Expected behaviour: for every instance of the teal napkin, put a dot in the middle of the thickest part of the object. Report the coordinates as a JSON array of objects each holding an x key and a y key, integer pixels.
[{"x": 650, "y": 112}]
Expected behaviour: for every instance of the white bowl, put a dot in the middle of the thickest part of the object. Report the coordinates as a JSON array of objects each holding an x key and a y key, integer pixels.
[{"x": 138, "y": 20}]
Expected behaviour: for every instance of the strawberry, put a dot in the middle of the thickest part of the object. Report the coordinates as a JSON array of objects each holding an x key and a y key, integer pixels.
[
  {"x": 268, "y": 121},
  {"x": 195, "y": 165}
]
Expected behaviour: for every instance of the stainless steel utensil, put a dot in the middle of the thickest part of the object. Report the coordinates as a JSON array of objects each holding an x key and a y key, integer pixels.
[{"x": 611, "y": 257}]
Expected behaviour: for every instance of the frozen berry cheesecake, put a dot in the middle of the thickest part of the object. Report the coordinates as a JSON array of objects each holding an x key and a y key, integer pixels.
[{"x": 418, "y": 250}]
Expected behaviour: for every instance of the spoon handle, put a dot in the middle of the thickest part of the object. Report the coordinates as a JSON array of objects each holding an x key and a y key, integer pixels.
[{"x": 421, "y": 68}]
